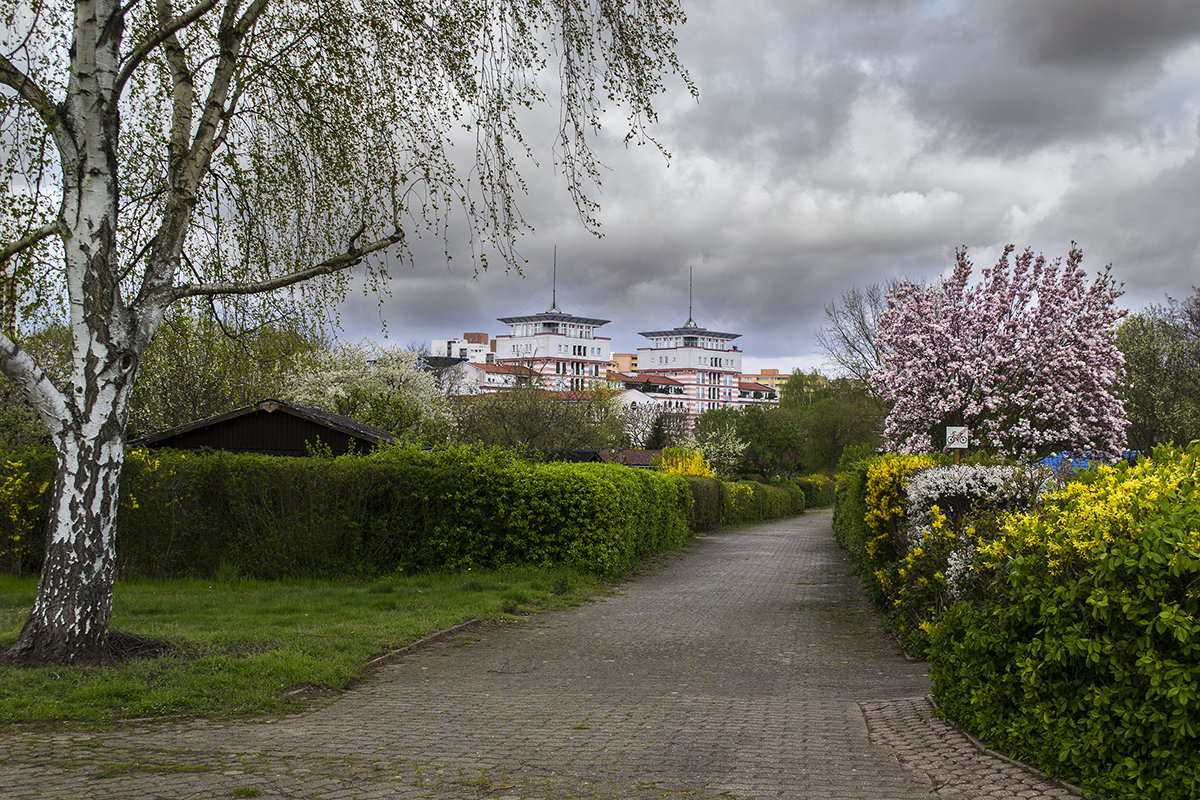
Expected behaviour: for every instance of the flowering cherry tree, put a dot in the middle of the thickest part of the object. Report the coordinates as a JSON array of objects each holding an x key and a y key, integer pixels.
[{"x": 1026, "y": 358}]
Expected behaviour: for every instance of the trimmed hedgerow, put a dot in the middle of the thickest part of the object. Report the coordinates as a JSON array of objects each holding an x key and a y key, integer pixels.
[
  {"x": 716, "y": 503},
  {"x": 818, "y": 490},
  {"x": 1081, "y": 650},
  {"x": 707, "y": 511},
  {"x": 751, "y": 501},
  {"x": 187, "y": 513},
  {"x": 192, "y": 514}
]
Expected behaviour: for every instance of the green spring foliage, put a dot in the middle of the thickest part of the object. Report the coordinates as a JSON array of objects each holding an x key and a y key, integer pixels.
[
  {"x": 716, "y": 503},
  {"x": 400, "y": 510},
  {"x": 1084, "y": 658},
  {"x": 707, "y": 511},
  {"x": 818, "y": 490},
  {"x": 1069, "y": 634}
]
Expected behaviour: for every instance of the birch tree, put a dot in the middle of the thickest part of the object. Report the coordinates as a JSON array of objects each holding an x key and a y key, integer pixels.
[{"x": 221, "y": 150}]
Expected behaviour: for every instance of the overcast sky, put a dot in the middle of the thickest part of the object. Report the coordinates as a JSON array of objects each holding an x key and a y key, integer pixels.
[{"x": 846, "y": 142}]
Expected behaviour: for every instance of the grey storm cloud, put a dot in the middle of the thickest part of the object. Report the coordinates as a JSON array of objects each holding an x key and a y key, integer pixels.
[{"x": 838, "y": 143}]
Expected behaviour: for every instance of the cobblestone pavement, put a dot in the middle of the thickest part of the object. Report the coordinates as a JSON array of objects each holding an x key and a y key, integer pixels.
[{"x": 749, "y": 666}]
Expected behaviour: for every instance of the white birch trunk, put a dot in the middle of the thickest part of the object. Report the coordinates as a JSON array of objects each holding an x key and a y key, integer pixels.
[
  {"x": 69, "y": 620},
  {"x": 70, "y": 616}
]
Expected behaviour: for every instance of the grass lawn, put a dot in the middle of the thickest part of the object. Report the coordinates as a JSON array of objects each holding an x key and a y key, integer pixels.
[{"x": 245, "y": 647}]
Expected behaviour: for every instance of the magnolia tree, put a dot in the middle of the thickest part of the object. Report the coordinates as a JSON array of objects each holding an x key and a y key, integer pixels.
[
  {"x": 158, "y": 150},
  {"x": 1026, "y": 359}
]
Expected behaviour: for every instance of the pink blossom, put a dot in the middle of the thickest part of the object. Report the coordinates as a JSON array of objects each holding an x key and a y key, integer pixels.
[{"x": 1026, "y": 358}]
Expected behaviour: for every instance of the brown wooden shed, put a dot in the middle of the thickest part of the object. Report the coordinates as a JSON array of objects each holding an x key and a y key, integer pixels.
[{"x": 271, "y": 427}]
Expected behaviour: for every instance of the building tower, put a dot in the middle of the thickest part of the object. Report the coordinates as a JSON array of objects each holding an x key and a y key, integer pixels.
[
  {"x": 703, "y": 361},
  {"x": 561, "y": 348}
]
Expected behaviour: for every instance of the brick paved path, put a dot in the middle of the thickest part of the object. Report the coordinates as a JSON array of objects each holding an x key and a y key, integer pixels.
[{"x": 747, "y": 667}]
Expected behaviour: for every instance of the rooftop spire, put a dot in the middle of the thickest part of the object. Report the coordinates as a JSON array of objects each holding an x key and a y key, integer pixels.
[
  {"x": 691, "y": 323},
  {"x": 554, "y": 309}
]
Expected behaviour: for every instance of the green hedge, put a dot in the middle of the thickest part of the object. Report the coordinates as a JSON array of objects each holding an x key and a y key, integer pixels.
[
  {"x": 716, "y": 503},
  {"x": 751, "y": 501},
  {"x": 707, "y": 510},
  {"x": 818, "y": 490},
  {"x": 191, "y": 514},
  {"x": 870, "y": 519},
  {"x": 1083, "y": 654},
  {"x": 1068, "y": 635},
  {"x": 187, "y": 514}
]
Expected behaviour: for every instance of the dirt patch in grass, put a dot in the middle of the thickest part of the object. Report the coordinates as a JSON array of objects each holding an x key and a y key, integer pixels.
[{"x": 123, "y": 646}]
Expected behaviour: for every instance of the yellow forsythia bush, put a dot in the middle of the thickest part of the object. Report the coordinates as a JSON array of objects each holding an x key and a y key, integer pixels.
[
  {"x": 682, "y": 461},
  {"x": 23, "y": 497},
  {"x": 1079, "y": 647}
]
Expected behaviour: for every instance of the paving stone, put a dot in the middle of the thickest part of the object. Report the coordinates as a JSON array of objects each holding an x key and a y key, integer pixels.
[{"x": 748, "y": 666}]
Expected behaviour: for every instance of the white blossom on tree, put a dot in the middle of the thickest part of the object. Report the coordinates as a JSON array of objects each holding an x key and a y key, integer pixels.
[{"x": 381, "y": 386}]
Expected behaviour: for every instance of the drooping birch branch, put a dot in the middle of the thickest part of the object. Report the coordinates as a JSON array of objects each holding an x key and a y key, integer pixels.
[
  {"x": 28, "y": 240},
  {"x": 166, "y": 30},
  {"x": 339, "y": 263}
]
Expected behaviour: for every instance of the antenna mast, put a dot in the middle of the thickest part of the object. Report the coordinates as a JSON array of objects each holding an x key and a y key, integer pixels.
[
  {"x": 691, "y": 323},
  {"x": 554, "y": 286}
]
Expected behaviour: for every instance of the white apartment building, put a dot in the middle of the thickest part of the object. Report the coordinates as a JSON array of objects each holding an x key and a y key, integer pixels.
[
  {"x": 561, "y": 348},
  {"x": 473, "y": 347},
  {"x": 703, "y": 362}
]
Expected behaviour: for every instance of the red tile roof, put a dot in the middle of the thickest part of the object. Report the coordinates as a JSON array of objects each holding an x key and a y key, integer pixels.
[
  {"x": 661, "y": 380},
  {"x": 505, "y": 369}
]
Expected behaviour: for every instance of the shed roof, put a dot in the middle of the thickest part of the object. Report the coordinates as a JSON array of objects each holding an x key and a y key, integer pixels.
[{"x": 320, "y": 416}]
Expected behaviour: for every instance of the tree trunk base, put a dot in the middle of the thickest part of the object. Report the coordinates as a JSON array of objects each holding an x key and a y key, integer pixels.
[
  {"x": 118, "y": 647},
  {"x": 44, "y": 648}
]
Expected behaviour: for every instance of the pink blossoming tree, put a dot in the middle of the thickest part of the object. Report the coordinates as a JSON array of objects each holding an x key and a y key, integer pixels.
[{"x": 1026, "y": 358}]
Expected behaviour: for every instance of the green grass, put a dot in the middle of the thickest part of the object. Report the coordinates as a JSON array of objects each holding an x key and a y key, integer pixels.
[{"x": 252, "y": 647}]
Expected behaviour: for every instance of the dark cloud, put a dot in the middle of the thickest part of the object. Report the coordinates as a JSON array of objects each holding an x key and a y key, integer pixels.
[
  {"x": 1104, "y": 35},
  {"x": 1010, "y": 78},
  {"x": 846, "y": 142}
]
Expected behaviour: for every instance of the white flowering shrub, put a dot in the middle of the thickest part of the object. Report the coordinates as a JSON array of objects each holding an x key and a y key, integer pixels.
[
  {"x": 949, "y": 511},
  {"x": 381, "y": 386},
  {"x": 959, "y": 491}
]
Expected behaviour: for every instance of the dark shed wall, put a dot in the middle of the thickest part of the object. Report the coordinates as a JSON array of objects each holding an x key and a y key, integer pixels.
[{"x": 277, "y": 434}]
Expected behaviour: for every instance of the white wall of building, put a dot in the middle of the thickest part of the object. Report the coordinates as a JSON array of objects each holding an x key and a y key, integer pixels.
[{"x": 562, "y": 349}]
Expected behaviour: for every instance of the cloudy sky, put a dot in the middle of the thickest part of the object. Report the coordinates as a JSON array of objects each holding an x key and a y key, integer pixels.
[{"x": 838, "y": 143}]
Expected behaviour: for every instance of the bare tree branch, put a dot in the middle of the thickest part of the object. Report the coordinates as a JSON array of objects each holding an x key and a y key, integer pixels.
[
  {"x": 28, "y": 240},
  {"x": 848, "y": 335},
  {"x": 339, "y": 263}
]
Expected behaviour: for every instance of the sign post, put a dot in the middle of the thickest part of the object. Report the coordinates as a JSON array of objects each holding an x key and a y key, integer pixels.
[{"x": 956, "y": 440}]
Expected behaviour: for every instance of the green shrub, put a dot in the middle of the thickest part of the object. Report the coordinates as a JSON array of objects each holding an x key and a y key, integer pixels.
[
  {"x": 818, "y": 490},
  {"x": 707, "y": 510},
  {"x": 1081, "y": 650},
  {"x": 716, "y": 503},
  {"x": 402, "y": 509},
  {"x": 870, "y": 520},
  {"x": 752, "y": 501},
  {"x": 25, "y": 477}
]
